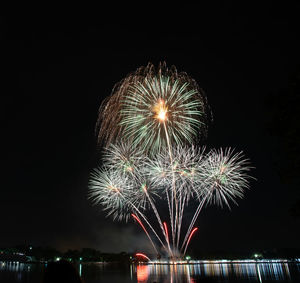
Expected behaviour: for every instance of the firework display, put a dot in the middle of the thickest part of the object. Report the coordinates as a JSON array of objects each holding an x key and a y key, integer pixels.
[{"x": 149, "y": 126}]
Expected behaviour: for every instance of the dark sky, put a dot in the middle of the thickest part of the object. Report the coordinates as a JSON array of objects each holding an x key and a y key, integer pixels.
[{"x": 57, "y": 70}]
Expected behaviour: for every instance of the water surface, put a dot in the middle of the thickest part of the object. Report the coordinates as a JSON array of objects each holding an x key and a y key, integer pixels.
[{"x": 204, "y": 272}]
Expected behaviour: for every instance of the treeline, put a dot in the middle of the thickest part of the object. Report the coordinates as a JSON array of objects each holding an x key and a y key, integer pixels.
[{"x": 40, "y": 254}]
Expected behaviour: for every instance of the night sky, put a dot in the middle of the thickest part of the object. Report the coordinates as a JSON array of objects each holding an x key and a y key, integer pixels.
[{"x": 57, "y": 70}]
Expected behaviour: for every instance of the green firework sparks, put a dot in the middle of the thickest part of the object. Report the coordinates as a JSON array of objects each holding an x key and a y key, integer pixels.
[{"x": 149, "y": 106}]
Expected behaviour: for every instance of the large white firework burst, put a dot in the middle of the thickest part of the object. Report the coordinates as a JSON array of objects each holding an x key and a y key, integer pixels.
[
  {"x": 112, "y": 191},
  {"x": 225, "y": 176},
  {"x": 123, "y": 158},
  {"x": 160, "y": 106},
  {"x": 153, "y": 107}
]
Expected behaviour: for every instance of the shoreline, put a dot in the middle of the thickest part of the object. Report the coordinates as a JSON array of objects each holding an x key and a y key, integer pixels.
[{"x": 162, "y": 262}]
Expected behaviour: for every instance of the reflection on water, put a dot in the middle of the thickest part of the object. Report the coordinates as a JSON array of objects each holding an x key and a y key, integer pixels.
[
  {"x": 206, "y": 271},
  {"x": 80, "y": 269},
  {"x": 142, "y": 273},
  {"x": 256, "y": 272},
  {"x": 14, "y": 267},
  {"x": 20, "y": 272}
]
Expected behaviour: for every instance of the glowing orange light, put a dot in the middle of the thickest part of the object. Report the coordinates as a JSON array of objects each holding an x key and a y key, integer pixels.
[
  {"x": 162, "y": 114},
  {"x": 144, "y": 187},
  {"x": 113, "y": 188},
  {"x": 160, "y": 110},
  {"x": 129, "y": 169},
  {"x": 222, "y": 169},
  {"x": 142, "y": 273}
]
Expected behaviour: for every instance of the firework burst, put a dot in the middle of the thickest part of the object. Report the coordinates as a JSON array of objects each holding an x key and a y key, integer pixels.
[
  {"x": 181, "y": 166},
  {"x": 225, "y": 176},
  {"x": 150, "y": 106},
  {"x": 123, "y": 158},
  {"x": 112, "y": 191}
]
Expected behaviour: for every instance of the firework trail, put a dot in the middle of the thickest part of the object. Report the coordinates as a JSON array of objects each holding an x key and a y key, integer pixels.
[
  {"x": 145, "y": 230},
  {"x": 187, "y": 244}
]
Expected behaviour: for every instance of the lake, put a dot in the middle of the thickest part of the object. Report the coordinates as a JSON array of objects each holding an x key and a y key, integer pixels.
[{"x": 207, "y": 271}]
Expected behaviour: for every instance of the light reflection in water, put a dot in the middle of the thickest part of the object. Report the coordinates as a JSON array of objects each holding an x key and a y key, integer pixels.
[
  {"x": 80, "y": 269},
  {"x": 14, "y": 266},
  {"x": 142, "y": 272},
  {"x": 131, "y": 272},
  {"x": 19, "y": 270},
  {"x": 222, "y": 271},
  {"x": 259, "y": 272}
]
